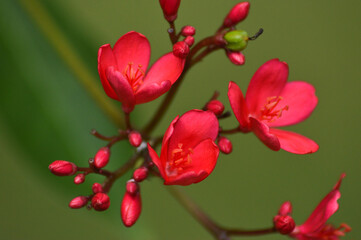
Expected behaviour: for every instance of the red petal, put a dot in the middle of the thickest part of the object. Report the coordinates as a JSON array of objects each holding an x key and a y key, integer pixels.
[
  {"x": 105, "y": 60},
  {"x": 122, "y": 88},
  {"x": 205, "y": 157},
  {"x": 152, "y": 91},
  {"x": 268, "y": 81},
  {"x": 325, "y": 209},
  {"x": 134, "y": 48},
  {"x": 168, "y": 67},
  {"x": 193, "y": 127},
  {"x": 293, "y": 142},
  {"x": 238, "y": 104},
  {"x": 154, "y": 156},
  {"x": 262, "y": 131},
  {"x": 301, "y": 101}
]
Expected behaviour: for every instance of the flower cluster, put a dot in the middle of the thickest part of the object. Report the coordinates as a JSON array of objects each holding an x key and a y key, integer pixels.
[{"x": 190, "y": 146}]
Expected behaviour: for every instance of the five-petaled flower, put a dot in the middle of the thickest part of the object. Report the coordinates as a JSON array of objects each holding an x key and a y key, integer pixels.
[
  {"x": 316, "y": 226},
  {"x": 272, "y": 102},
  {"x": 122, "y": 71},
  {"x": 188, "y": 153}
]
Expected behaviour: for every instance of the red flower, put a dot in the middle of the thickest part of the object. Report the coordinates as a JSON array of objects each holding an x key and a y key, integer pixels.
[
  {"x": 122, "y": 71},
  {"x": 315, "y": 227},
  {"x": 188, "y": 153},
  {"x": 272, "y": 102}
]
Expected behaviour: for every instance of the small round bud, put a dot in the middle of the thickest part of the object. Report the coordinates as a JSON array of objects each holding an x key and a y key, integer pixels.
[
  {"x": 62, "y": 168},
  {"x": 131, "y": 208},
  {"x": 225, "y": 145},
  {"x": 97, "y": 188},
  {"x": 170, "y": 9},
  {"x": 140, "y": 174},
  {"x": 237, "y": 14},
  {"x": 285, "y": 209},
  {"x": 132, "y": 187},
  {"x": 215, "y": 106},
  {"x": 181, "y": 49},
  {"x": 101, "y": 158},
  {"x": 78, "y": 202},
  {"x": 135, "y": 139},
  {"x": 189, "y": 40},
  {"x": 79, "y": 179},
  {"x": 284, "y": 224},
  {"x": 237, "y": 58},
  {"x": 236, "y": 40},
  {"x": 100, "y": 202},
  {"x": 188, "y": 31}
]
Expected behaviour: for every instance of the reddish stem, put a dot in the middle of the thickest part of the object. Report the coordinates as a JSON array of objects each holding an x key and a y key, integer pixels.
[
  {"x": 209, "y": 41},
  {"x": 230, "y": 131},
  {"x": 172, "y": 33}
]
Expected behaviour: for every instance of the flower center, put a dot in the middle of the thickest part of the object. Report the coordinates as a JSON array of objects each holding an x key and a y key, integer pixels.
[
  {"x": 134, "y": 75},
  {"x": 329, "y": 233},
  {"x": 180, "y": 158},
  {"x": 269, "y": 111}
]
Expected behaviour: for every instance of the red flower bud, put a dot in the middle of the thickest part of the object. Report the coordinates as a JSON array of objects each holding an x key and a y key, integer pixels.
[
  {"x": 170, "y": 9},
  {"x": 100, "y": 202},
  {"x": 285, "y": 209},
  {"x": 79, "y": 179},
  {"x": 181, "y": 49},
  {"x": 237, "y": 14},
  {"x": 97, "y": 188},
  {"x": 140, "y": 174},
  {"x": 225, "y": 145},
  {"x": 101, "y": 158},
  {"x": 215, "y": 106},
  {"x": 189, "y": 40},
  {"x": 135, "y": 139},
  {"x": 237, "y": 58},
  {"x": 284, "y": 224},
  {"x": 188, "y": 31},
  {"x": 131, "y": 208},
  {"x": 78, "y": 202},
  {"x": 132, "y": 187},
  {"x": 62, "y": 168}
]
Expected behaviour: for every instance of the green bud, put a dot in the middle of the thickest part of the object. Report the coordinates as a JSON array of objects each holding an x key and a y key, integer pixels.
[{"x": 236, "y": 40}]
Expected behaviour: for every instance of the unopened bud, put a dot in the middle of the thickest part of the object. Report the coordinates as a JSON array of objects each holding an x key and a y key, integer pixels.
[
  {"x": 181, "y": 49},
  {"x": 225, "y": 145},
  {"x": 236, "y": 40},
  {"x": 78, "y": 202},
  {"x": 62, "y": 168},
  {"x": 132, "y": 187},
  {"x": 131, "y": 208},
  {"x": 237, "y": 58},
  {"x": 189, "y": 40},
  {"x": 188, "y": 31},
  {"x": 285, "y": 209},
  {"x": 140, "y": 174},
  {"x": 237, "y": 14},
  {"x": 100, "y": 202},
  {"x": 135, "y": 139},
  {"x": 97, "y": 188},
  {"x": 170, "y": 9},
  {"x": 284, "y": 224},
  {"x": 79, "y": 179},
  {"x": 101, "y": 158},
  {"x": 215, "y": 106}
]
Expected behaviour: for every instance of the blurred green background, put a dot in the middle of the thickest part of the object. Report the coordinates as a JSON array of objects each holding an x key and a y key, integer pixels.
[{"x": 45, "y": 115}]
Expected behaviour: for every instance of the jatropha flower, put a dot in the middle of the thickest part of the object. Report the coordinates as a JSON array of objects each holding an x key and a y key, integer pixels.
[
  {"x": 122, "y": 71},
  {"x": 188, "y": 153},
  {"x": 316, "y": 226},
  {"x": 272, "y": 102}
]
